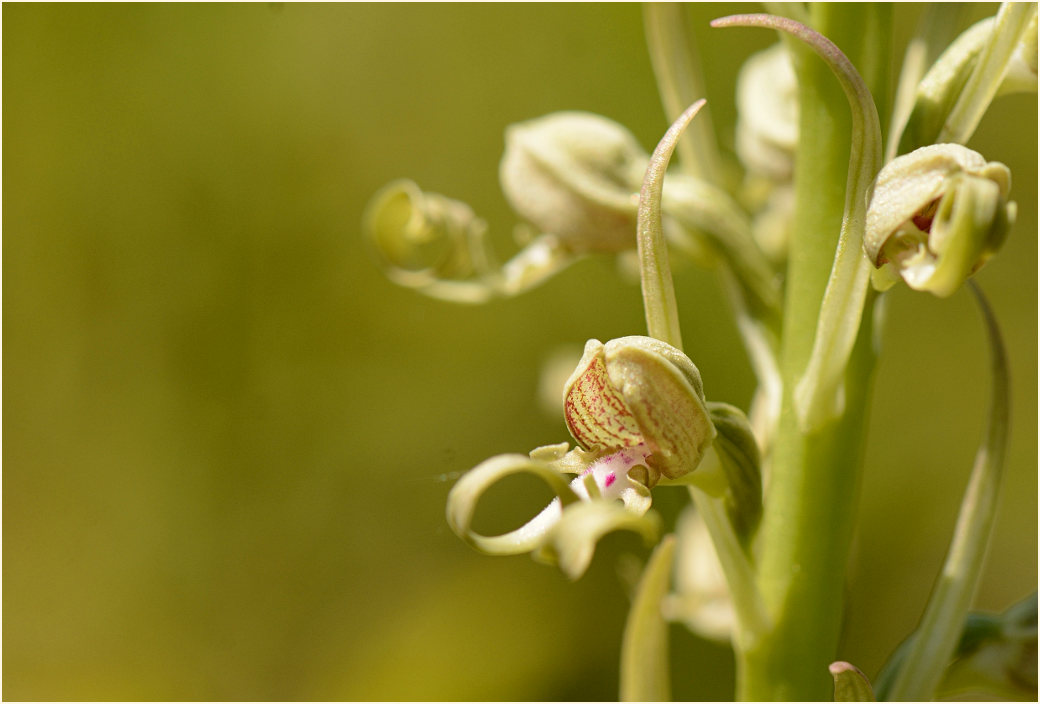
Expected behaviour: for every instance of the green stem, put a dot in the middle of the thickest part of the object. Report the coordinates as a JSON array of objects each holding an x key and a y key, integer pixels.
[
  {"x": 936, "y": 638},
  {"x": 662, "y": 314},
  {"x": 806, "y": 534},
  {"x": 819, "y": 394},
  {"x": 806, "y": 530},
  {"x": 752, "y": 619}
]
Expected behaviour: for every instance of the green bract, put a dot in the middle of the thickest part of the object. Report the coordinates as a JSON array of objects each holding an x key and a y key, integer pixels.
[
  {"x": 995, "y": 56},
  {"x": 850, "y": 684},
  {"x": 937, "y": 215},
  {"x": 1022, "y": 70}
]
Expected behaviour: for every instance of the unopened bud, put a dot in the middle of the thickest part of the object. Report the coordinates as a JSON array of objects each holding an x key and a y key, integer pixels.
[
  {"x": 767, "y": 104},
  {"x": 575, "y": 175},
  {"x": 430, "y": 242}
]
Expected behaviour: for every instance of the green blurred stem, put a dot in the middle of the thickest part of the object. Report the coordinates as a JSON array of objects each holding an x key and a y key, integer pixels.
[
  {"x": 810, "y": 507},
  {"x": 752, "y": 619},
  {"x": 680, "y": 82},
  {"x": 943, "y": 619}
]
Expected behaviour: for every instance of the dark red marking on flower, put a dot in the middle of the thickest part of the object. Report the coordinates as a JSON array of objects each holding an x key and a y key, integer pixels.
[
  {"x": 608, "y": 480},
  {"x": 595, "y": 412},
  {"x": 923, "y": 222}
]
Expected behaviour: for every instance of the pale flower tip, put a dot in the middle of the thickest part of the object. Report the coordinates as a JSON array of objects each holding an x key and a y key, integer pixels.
[
  {"x": 837, "y": 668},
  {"x": 850, "y": 684}
]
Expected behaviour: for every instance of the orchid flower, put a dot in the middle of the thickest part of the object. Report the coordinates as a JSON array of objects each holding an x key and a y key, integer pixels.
[{"x": 636, "y": 408}]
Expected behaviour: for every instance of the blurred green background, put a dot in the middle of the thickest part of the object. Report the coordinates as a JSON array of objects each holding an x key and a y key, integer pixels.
[{"x": 229, "y": 439}]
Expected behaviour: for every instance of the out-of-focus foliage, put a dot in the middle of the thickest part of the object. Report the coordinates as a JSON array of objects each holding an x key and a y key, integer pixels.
[{"x": 229, "y": 438}]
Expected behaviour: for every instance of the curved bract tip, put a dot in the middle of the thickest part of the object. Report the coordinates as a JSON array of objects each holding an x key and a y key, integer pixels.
[
  {"x": 662, "y": 315},
  {"x": 819, "y": 394},
  {"x": 650, "y": 194}
]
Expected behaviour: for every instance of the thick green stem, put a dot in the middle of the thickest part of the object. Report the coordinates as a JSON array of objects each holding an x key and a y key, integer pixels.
[
  {"x": 806, "y": 533},
  {"x": 810, "y": 508}
]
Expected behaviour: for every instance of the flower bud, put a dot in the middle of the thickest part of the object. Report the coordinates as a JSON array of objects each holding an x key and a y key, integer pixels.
[
  {"x": 575, "y": 175},
  {"x": 640, "y": 391},
  {"x": 936, "y": 216},
  {"x": 430, "y": 242},
  {"x": 767, "y": 105}
]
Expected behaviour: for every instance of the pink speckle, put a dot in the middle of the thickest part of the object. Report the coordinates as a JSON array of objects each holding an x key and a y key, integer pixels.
[{"x": 608, "y": 480}]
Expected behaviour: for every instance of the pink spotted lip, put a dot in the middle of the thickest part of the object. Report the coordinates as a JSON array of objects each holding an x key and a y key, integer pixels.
[{"x": 609, "y": 468}]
